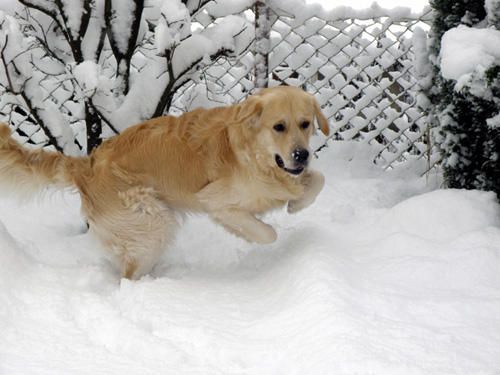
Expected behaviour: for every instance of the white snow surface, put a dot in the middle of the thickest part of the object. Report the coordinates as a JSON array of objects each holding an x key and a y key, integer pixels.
[
  {"x": 302, "y": 11},
  {"x": 384, "y": 274},
  {"x": 173, "y": 26},
  {"x": 123, "y": 16},
  {"x": 466, "y": 51}
]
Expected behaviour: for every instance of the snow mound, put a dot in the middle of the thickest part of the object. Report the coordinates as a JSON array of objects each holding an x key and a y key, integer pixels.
[
  {"x": 466, "y": 51},
  {"x": 444, "y": 215},
  {"x": 382, "y": 275}
]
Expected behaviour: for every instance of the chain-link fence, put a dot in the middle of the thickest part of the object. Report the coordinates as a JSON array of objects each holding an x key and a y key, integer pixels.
[
  {"x": 361, "y": 70},
  {"x": 359, "y": 65}
]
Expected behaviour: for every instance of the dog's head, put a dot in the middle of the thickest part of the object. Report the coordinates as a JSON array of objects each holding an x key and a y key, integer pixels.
[{"x": 282, "y": 119}]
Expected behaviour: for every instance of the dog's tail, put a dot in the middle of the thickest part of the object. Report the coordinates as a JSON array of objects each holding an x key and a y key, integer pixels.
[{"x": 27, "y": 171}]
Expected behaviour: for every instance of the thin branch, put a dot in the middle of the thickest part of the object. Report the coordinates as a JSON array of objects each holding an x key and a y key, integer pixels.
[
  {"x": 5, "y": 65},
  {"x": 40, "y": 122},
  {"x": 195, "y": 9},
  {"x": 39, "y": 8},
  {"x": 75, "y": 48},
  {"x": 25, "y": 97},
  {"x": 44, "y": 42},
  {"x": 168, "y": 93}
]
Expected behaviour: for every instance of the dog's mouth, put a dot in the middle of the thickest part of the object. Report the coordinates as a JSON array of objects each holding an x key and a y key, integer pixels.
[{"x": 281, "y": 164}]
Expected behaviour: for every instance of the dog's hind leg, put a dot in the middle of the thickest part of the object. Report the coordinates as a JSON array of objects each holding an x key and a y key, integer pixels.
[{"x": 137, "y": 230}]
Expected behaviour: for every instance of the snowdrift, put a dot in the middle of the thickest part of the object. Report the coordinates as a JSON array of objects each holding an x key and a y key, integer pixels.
[{"x": 384, "y": 274}]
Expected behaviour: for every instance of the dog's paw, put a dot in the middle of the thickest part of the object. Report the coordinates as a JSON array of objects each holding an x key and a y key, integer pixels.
[
  {"x": 256, "y": 232},
  {"x": 269, "y": 235},
  {"x": 313, "y": 184},
  {"x": 297, "y": 205},
  {"x": 264, "y": 235}
]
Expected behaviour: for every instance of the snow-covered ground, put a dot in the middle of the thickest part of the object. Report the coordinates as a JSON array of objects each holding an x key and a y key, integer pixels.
[{"x": 384, "y": 274}]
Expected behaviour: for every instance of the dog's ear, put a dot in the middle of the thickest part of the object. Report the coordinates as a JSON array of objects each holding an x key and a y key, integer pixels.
[
  {"x": 320, "y": 118},
  {"x": 250, "y": 110}
]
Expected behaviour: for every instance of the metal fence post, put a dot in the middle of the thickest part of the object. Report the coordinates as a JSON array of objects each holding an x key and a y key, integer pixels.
[{"x": 262, "y": 45}]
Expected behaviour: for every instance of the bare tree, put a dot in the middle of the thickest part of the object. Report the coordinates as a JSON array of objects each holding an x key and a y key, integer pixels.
[{"x": 103, "y": 64}]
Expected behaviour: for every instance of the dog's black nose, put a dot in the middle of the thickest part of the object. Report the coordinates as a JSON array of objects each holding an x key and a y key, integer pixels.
[{"x": 300, "y": 156}]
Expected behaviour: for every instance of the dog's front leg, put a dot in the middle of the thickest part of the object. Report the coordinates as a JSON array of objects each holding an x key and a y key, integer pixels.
[
  {"x": 243, "y": 224},
  {"x": 221, "y": 205},
  {"x": 313, "y": 182}
]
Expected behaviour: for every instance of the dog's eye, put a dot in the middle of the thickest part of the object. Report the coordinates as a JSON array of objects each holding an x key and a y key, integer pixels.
[
  {"x": 304, "y": 125},
  {"x": 279, "y": 128}
]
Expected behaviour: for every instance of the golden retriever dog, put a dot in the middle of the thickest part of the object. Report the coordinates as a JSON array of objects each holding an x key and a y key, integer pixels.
[{"x": 232, "y": 163}]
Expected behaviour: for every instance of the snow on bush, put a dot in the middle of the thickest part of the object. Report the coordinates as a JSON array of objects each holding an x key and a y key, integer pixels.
[
  {"x": 465, "y": 92},
  {"x": 466, "y": 54}
]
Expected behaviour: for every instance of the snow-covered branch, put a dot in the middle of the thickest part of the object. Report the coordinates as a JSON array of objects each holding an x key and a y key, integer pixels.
[{"x": 99, "y": 66}]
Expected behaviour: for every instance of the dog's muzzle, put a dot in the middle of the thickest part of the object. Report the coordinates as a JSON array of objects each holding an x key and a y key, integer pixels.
[{"x": 300, "y": 158}]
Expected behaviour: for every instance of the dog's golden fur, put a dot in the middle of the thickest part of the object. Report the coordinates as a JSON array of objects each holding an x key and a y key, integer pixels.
[{"x": 230, "y": 162}]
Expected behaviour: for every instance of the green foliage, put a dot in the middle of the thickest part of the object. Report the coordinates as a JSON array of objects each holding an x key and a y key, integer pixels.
[
  {"x": 451, "y": 13},
  {"x": 468, "y": 145},
  {"x": 468, "y": 134}
]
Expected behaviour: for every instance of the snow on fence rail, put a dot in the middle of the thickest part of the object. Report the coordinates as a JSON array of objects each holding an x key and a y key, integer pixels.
[
  {"x": 358, "y": 64},
  {"x": 361, "y": 71}
]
